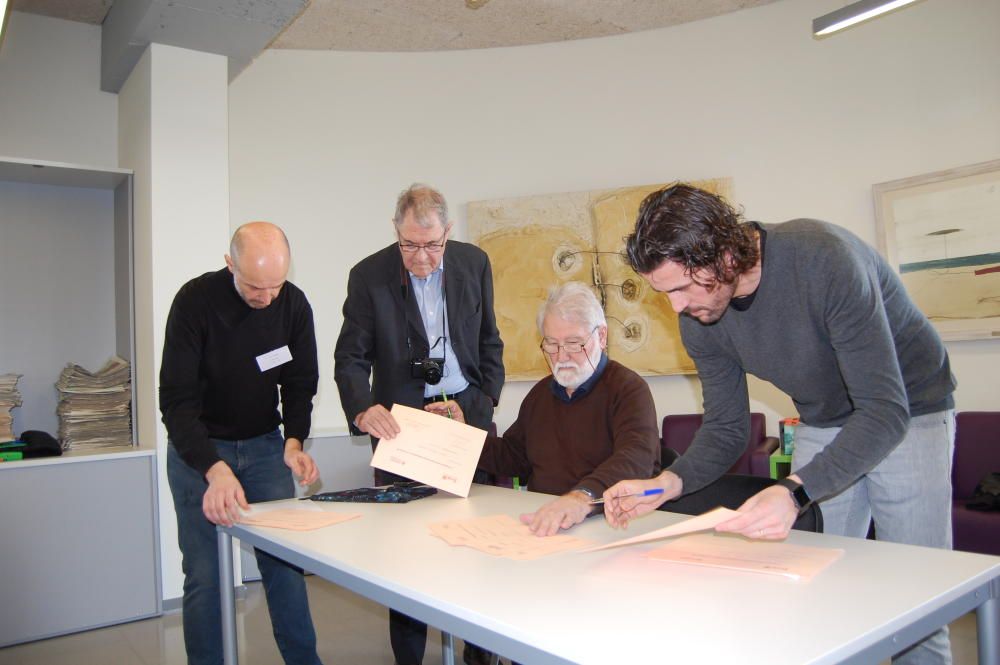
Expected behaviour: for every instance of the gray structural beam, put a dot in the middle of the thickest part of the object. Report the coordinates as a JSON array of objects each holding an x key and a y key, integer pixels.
[{"x": 238, "y": 29}]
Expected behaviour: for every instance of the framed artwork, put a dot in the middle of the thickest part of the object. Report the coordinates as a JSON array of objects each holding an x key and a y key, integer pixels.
[
  {"x": 941, "y": 231},
  {"x": 537, "y": 242}
]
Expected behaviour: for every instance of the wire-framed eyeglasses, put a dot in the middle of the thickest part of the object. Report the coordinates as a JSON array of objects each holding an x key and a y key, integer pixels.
[
  {"x": 552, "y": 347},
  {"x": 430, "y": 247}
]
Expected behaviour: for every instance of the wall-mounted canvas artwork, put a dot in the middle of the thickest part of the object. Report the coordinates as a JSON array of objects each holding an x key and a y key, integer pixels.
[
  {"x": 537, "y": 242},
  {"x": 941, "y": 231}
]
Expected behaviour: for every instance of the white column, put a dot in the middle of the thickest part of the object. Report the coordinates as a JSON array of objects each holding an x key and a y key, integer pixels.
[{"x": 173, "y": 132}]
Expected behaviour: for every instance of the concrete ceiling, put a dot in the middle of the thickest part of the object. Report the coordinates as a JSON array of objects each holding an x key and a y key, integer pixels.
[
  {"x": 81, "y": 11},
  {"x": 437, "y": 25}
]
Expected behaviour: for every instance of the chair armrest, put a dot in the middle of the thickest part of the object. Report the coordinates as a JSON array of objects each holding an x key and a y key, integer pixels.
[{"x": 760, "y": 463}]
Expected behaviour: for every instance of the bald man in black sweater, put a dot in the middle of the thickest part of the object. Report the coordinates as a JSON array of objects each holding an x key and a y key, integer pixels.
[{"x": 233, "y": 337}]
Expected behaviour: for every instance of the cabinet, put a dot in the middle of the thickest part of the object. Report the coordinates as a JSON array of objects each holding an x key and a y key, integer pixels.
[
  {"x": 79, "y": 540},
  {"x": 79, "y": 545}
]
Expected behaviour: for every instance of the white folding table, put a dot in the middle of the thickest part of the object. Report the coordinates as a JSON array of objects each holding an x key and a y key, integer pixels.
[{"x": 616, "y": 606}]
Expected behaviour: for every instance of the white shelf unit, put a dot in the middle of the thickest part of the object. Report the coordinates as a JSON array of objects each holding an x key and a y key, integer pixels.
[
  {"x": 65, "y": 277},
  {"x": 80, "y": 535}
]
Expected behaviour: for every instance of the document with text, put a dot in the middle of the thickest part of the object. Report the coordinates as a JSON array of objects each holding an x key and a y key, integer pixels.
[
  {"x": 795, "y": 562},
  {"x": 503, "y": 535},
  {"x": 699, "y": 523},
  {"x": 296, "y": 519},
  {"x": 432, "y": 449}
]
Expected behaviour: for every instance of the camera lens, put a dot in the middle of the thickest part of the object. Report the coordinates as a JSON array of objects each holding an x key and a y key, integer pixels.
[{"x": 432, "y": 372}]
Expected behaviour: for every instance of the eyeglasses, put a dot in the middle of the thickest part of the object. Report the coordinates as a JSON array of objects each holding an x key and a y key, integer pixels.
[
  {"x": 430, "y": 247},
  {"x": 552, "y": 348}
]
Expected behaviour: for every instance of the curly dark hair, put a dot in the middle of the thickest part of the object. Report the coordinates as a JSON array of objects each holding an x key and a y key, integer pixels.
[{"x": 694, "y": 228}]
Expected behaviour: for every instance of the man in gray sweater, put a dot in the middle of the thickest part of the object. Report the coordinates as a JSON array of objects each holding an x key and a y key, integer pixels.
[{"x": 819, "y": 313}]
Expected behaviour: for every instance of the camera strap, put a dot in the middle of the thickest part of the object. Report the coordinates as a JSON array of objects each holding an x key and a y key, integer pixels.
[{"x": 405, "y": 280}]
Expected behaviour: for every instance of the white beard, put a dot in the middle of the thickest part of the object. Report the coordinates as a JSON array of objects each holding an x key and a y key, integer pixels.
[{"x": 571, "y": 376}]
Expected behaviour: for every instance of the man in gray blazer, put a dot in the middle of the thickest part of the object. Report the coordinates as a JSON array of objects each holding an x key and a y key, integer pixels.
[{"x": 418, "y": 321}]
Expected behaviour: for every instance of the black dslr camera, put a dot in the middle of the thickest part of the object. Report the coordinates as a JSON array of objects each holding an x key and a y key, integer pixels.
[{"x": 428, "y": 369}]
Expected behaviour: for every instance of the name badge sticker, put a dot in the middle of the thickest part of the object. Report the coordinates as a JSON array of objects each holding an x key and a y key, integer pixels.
[{"x": 272, "y": 359}]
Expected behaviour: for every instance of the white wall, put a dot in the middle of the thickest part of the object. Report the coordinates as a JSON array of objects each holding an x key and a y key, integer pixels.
[
  {"x": 321, "y": 142},
  {"x": 174, "y": 135},
  {"x": 51, "y": 104},
  {"x": 58, "y": 298}
]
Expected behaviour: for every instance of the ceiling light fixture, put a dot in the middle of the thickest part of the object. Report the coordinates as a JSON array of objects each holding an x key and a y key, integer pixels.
[
  {"x": 856, "y": 12},
  {"x": 4, "y": 15}
]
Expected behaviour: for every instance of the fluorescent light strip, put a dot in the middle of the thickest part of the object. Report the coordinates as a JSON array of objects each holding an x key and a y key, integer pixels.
[
  {"x": 4, "y": 15},
  {"x": 854, "y": 13}
]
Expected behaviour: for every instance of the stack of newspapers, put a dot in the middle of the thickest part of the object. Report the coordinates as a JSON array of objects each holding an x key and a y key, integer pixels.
[
  {"x": 94, "y": 407},
  {"x": 9, "y": 398}
]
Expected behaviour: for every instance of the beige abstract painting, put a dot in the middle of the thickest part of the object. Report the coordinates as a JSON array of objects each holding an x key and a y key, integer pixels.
[
  {"x": 940, "y": 231},
  {"x": 538, "y": 242}
]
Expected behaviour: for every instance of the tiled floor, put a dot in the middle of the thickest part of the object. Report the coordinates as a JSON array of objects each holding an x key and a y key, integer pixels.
[{"x": 351, "y": 631}]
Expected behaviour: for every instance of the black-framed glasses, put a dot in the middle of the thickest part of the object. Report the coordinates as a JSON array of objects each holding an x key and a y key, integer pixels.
[
  {"x": 430, "y": 247},
  {"x": 552, "y": 347}
]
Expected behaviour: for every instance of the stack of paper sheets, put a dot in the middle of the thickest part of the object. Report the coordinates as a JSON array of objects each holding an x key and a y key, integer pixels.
[
  {"x": 295, "y": 519},
  {"x": 94, "y": 407},
  {"x": 9, "y": 399},
  {"x": 503, "y": 535},
  {"x": 796, "y": 562}
]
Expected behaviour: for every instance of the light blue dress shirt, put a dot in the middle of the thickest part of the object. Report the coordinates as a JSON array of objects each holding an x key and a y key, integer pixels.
[{"x": 432, "y": 305}]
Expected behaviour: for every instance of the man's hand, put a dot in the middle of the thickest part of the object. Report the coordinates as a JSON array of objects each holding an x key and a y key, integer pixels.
[
  {"x": 621, "y": 507},
  {"x": 301, "y": 464},
  {"x": 767, "y": 515},
  {"x": 562, "y": 513},
  {"x": 377, "y": 421},
  {"x": 449, "y": 409},
  {"x": 224, "y": 496}
]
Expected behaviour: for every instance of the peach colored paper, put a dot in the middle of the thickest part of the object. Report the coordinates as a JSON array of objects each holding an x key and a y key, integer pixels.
[
  {"x": 698, "y": 523},
  {"x": 503, "y": 535},
  {"x": 796, "y": 562},
  {"x": 432, "y": 449},
  {"x": 296, "y": 520}
]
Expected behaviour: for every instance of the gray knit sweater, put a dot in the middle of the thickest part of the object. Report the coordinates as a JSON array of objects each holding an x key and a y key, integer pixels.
[{"x": 831, "y": 326}]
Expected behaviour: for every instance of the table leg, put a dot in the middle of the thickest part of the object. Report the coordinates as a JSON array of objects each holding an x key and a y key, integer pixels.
[
  {"x": 228, "y": 597},
  {"x": 447, "y": 649},
  {"x": 988, "y": 629}
]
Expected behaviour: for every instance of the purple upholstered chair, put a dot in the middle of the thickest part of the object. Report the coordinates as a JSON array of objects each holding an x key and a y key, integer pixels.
[
  {"x": 678, "y": 432},
  {"x": 977, "y": 452}
]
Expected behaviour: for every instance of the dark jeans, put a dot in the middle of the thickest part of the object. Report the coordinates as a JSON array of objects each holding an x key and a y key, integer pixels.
[{"x": 259, "y": 465}]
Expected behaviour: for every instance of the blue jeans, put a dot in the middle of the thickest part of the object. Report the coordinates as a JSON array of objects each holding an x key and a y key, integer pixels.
[
  {"x": 259, "y": 465},
  {"x": 907, "y": 494}
]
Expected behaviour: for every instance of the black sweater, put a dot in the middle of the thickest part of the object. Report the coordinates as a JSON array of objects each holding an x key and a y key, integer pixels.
[{"x": 210, "y": 383}]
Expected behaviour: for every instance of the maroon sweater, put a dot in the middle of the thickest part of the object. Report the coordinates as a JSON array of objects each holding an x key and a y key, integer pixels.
[{"x": 607, "y": 435}]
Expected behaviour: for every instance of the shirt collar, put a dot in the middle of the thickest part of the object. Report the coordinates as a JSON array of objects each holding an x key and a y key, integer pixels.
[
  {"x": 744, "y": 303},
  {"x": 437, "y": 271},
  {"x": 560, "y": 392}
]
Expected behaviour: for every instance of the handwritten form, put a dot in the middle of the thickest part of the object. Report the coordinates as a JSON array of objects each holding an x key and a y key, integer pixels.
[
  {"x": 434, "y": 450},
  {"x": 296, "y": 519},
  {"x": 700, "y": 523},
  {"x": 796, "y": 562},
  {"x": 503, "y": 535}
]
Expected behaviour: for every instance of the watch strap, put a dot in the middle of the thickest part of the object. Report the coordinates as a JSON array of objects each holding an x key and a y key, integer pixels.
[{"x": 798, "y": 492}]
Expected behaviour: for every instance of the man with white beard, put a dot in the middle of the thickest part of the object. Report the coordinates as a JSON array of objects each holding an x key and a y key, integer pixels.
[{"x": 579, "y": 431}]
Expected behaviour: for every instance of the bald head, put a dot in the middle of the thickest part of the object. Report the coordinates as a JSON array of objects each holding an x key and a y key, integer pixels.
[{"x": 259, "y": 257}]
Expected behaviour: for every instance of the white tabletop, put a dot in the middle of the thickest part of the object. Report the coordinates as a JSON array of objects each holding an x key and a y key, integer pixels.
[{"x": 616, "y": 606}]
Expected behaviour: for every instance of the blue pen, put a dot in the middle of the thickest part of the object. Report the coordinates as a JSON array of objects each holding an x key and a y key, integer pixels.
[{"x": 658, "y": 490}]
